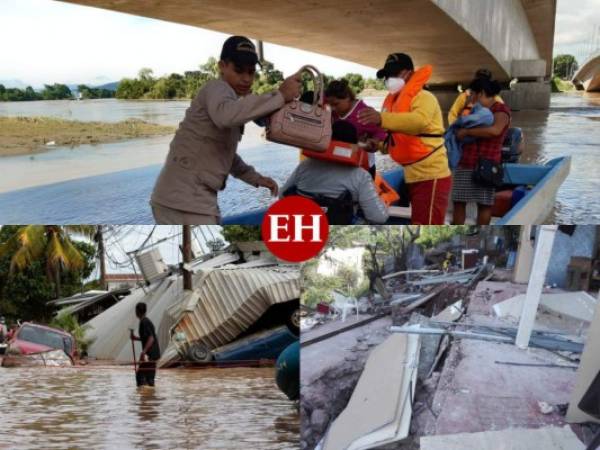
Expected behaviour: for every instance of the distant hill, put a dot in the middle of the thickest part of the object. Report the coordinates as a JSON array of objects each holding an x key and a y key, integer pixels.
[
  {"x": 110, "y": 86},
  {"x": 13, "y": 84}
]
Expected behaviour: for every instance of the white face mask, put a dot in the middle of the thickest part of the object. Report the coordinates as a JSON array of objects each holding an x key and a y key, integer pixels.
[{"x": 394, "y": 85}]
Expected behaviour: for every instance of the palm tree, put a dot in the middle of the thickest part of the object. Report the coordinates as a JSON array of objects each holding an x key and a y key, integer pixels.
[{"x": 34, "y": 242}]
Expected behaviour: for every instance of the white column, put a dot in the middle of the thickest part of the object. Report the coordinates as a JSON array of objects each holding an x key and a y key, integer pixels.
[
  {"x": 522, "y": 269},
  {"x": 541, "y": 259}
]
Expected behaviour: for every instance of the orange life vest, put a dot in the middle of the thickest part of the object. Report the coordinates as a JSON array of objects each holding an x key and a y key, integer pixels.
[
  {"x": 342, "y": 153},
  {"x": 386, "y": 193},
  {"x": 404, "y": 148}
]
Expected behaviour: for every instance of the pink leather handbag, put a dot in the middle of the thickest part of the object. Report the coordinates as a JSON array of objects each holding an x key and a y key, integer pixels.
[{"x": 302, "y": 124}]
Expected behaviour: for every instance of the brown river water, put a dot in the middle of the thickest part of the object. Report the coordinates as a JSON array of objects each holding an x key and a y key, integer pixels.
[{"x": 99, "y": 407}]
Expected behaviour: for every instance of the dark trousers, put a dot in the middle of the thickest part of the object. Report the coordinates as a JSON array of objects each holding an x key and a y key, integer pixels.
[{"x": 145, "y": 373}]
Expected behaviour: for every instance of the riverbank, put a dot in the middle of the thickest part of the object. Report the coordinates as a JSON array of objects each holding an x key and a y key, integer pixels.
[{"x": 28, "y": 135}]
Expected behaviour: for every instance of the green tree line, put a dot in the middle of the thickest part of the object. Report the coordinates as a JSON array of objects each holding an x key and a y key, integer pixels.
[
  {"x": 55, "y": 91},
  {"x": 174, "y": 86}
]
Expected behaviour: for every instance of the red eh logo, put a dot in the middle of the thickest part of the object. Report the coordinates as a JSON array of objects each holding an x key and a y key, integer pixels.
[{"x": 295, "y": 229}]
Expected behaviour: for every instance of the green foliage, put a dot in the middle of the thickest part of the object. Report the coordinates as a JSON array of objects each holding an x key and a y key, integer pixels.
[
  {"x": 565, "y": 66},
  {"x": 18, "y": 95},
  {"x": 348, "y": 276},
  {"x": 215, "y": 245},
  {"x": 267, "y": 80},
  {"x": 69, "y": 323},
  {"x": 374, "y": 83},
  {"x": 318, "y": 289},
  {"x": 559, "y": 85},
  {"x": 241, "y": 233},
  {"x": 51, "y": 92},
  {"x": 56, "y": 92},
  {"x": 24, "y": 290},
  {"x": 433, "y": 235},
  {"x": 355, "y": 81},
  {"x": 130, "y": 89},
  {"x": 91, "y": 93}
]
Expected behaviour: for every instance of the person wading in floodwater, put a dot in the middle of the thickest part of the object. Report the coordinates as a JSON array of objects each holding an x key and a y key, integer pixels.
[{"x": 150, "y": 351}]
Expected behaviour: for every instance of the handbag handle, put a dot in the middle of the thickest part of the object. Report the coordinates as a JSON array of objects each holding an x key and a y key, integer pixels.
[{"x": 316, "y": 76}]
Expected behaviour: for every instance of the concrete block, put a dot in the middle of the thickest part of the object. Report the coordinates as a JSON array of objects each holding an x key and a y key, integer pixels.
[
  {"x": 528, "y": 95},
  {"x": 528, "y": 68}
]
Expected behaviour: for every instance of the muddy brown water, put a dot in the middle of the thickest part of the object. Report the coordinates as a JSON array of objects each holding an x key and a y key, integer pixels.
[{"x": 99, "y": 407}]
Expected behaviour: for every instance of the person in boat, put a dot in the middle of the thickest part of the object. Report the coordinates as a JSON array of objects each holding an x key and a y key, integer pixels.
[
  {"x": 463, "y": 104},
  {"x": 346, "y": 191},
  {"x": 146, "y": 371},
  {"x": 203, "y": 152},
  {"x": 487, "y": 145},
  {"x": 345, "y": 106},
  {"x": 413, "y": 118}
]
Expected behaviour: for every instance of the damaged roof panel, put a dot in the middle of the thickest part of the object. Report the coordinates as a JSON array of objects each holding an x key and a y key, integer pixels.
[{"x": 228, "y": 301}]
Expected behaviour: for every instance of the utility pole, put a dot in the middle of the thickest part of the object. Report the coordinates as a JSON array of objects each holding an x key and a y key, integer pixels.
[
  {"x": 261, "y": 53},
  {"x": 101, "y": 256},
  {"x": 187, "y": 256}
]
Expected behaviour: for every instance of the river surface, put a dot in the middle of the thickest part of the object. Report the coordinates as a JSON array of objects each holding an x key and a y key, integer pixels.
[
  {"x": 111, "y": 183},
  {"x": 101, "y": 408}
]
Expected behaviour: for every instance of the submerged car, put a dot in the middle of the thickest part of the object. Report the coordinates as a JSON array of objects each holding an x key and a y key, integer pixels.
[
  {"x": 230, "y": 306},
  {"x": 34, "y": 343},
  {"x": 266, "y": 344}
]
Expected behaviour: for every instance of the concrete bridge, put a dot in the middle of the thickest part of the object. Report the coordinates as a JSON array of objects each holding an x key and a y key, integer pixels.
[
  {"x": 512, "y": 38},
  {"x": 588, "y": 76}
]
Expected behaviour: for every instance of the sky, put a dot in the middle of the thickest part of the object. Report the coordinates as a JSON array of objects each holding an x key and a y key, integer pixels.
[{"x": 45, "y": 41}]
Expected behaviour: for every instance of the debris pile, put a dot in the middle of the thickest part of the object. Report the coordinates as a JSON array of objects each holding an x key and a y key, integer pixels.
[{"x": 467, "y": 379}]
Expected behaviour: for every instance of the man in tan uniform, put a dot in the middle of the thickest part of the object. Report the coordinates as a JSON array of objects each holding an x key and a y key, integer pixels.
[{"x": 203, "y": 151}]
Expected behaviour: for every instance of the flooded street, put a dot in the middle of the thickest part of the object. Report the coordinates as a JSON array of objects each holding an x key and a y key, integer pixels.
[
  {"x": 99, "y": 407},
  {"x": 111, "y": 183}
]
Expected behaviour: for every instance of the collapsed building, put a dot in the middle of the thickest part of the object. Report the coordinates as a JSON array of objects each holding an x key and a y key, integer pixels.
[
  {"x": 473, "y": 358},
  {"x": 234, "y": 298}
]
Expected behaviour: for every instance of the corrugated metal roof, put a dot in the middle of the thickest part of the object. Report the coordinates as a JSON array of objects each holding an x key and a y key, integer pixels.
[
  {"x": 229, "y": 300},
  {"x": 225, "y": 302}
]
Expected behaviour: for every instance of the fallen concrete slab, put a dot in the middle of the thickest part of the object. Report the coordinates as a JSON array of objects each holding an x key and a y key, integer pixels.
[
  {"x": 380, "y": 408},
  {"x": 316, "y": 359},
  {"x": 579, "y": 305},
  {"x": 548, "y": 438}
]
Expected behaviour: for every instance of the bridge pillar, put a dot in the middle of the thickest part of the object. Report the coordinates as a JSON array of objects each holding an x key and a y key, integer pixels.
[
  {"x": 528, "y": 95},
  {"x": 533, "y": 89}
]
